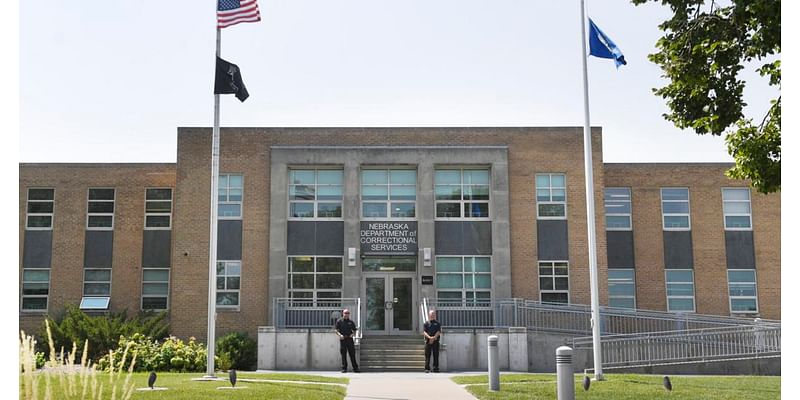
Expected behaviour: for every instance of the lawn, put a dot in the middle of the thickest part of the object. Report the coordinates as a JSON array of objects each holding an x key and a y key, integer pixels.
[
  {"x": 180, "y": 386},
  {"x": 629, "y": 387}
]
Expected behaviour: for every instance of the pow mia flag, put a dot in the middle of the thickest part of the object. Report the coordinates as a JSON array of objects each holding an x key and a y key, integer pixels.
[{"x": 228, "y": 80}]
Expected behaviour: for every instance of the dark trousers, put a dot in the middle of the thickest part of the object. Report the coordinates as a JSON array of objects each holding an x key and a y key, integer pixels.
[
  {"x": 432, "y": 349},
  {"x": 346, "y": 346}
]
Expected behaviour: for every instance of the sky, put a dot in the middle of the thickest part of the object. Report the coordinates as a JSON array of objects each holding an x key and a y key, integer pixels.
[{"x": 113, "y": 83}]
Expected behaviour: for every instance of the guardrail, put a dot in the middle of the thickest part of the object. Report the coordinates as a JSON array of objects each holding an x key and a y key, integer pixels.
[
  {"x": 307, "y": 313},
  {"x": 696, "y": 345}
]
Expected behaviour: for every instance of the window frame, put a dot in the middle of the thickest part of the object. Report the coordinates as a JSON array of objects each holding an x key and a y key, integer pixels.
[
  {"x": 110, "y": 278},
  {"x": 550, "y": 188},
  {"x": 29, "y": 214},
  {"x": 143, "y": 295},
  {"x": 474, "y": 301},
  {"x": 89, "y": 215},
  {"x": 754, "y": 297},
  {"x": 632, "y": 281},
  {"x": 553, "y": 276},
  {"x": 688, "y": 214},
  {"x": 462, "y": 202},
  {"x": 158, "y": 214},
  {"x": 227, "y": 195},
  {"x": 23, "y": 296},
  {"x": 694, "y": 290},
  {"x": 629, "y": 215},
  {"x": 749, "y": 202},
  {"x": 316, "y": 201},
  {"x": 388, "y": 202},
  {"x": 217, "y": 291},
  {"x": 315, "y": 299}
]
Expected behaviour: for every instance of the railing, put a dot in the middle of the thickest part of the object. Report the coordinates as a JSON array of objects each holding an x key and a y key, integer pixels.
[
  {"x": 696, "y": 345},
  {"x": 307, "y": 313},
  {"x": 423, "y": 313}
]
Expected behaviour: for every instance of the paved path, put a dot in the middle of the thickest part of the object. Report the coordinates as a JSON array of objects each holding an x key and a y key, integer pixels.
[{"x": 399, "y": 385}]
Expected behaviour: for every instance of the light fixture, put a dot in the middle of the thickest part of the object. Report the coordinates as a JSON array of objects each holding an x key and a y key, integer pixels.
[
  {"x": 426, "y": 256},
  {"x": 351, "y": 256}
]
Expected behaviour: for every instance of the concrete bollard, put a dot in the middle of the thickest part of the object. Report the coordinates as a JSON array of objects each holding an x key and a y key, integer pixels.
[
  {"x": 494, "y": 367},
  {"x": 564, "y": 375}
]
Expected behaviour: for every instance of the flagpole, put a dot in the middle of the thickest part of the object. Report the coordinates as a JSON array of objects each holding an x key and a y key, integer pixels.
[
  {"x": 212, "y": 251},
  {"x": 590, "y": 216}
]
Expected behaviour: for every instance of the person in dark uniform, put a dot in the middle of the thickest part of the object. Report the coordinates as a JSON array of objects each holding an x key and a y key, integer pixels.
[
  {"x": 345, "y": 329},
  {"x": 432, "y": 331}
]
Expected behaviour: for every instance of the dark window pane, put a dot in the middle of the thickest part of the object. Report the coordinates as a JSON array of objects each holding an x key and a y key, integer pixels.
[
  {"x": 158, "y": 206},
  {"x": 40, "y": 221},
  {"x": 157, "y": 221},
  {"x": 34, "y": 303},
  {"x": 220, "y": 282},
  {"x": 35, "y": 288},
  {"x": 301, "y": 264},
  {"x": 301, "y": 210},
  {"x": 227, "y": 299},
  {"x": 476, "y": 210},
  {"x": 302, "y": 281},
  {"x": 329, "y": 281},
  {"x": 448, "y": 210},
  {"x": 40, "y": 194},
  {"x": 101, "y": 194},
  {"x": 445, "y": 192},
  {"x": 329, "y": 264},
  {"x": 546, "y": 283},
  {"x": 40, "y": 207},
  {"x": 95, "y": 289},
  {"x": 329, "y": 210},
  {"x": 403, "y": 210},
  {"x": 159, "y": 194},
  {"x": 562, "y": 283},
  {"x": 551, "y": 210},
  {"x": 561, "y": 298},
  {"x": 154, "y": 303},
  {"x": 101, "y": 207},
  {"x": 373, "y": 210},
  {"x": 155, "y": 288}
]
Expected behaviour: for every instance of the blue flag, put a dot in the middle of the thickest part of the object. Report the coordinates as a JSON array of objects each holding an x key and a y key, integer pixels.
[{"x": 602, "y": 46}]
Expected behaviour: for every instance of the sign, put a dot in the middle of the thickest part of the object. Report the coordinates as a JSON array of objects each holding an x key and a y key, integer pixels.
[
  {"x": 427, "y": 279},
  {"x": 388, "y": 237}
]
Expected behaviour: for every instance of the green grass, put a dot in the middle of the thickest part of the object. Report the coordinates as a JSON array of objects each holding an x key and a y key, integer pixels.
[
  {"x": 182, "y": 387},
  {"x": 629, "y": 387}
]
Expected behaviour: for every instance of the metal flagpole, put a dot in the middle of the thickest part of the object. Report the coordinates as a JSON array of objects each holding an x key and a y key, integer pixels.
[
  {"x": 212, "y": 251},
  {"x": 590, "y": 217}
]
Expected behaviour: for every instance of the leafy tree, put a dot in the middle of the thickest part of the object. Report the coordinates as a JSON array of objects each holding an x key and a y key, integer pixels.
[{"x": 704, "y": 47}]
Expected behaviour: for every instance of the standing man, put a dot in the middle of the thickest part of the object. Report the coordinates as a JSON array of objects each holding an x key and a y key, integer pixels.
[
  {"x": 432, "y": 331},
  {"x": 345, "y": 329}
]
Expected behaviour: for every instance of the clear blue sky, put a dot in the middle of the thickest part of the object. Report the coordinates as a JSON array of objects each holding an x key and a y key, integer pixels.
[{"x": 111, "y": 81}]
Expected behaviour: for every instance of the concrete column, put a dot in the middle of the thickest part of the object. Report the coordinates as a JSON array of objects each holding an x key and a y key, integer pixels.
[
  {"x": 351, "y": 286},
  {"x": 266, "y": 347},
  {"x": 425, "y": 224},
  {"x": 518, "y": 349}
]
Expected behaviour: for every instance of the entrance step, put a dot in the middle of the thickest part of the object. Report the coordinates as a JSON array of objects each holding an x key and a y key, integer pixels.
[{"x": 392, "y": 353}]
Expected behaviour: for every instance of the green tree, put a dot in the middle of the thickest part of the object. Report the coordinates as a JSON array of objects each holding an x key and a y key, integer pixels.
[{"x": 704, "y": 48}]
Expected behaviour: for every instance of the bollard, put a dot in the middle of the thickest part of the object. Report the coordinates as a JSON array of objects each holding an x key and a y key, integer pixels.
[
  {"x": 494, "y": 368},
  {"x": 564, "y": 376}
]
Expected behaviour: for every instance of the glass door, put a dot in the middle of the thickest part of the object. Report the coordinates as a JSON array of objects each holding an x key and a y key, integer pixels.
[{"x": 389, "y": 304}]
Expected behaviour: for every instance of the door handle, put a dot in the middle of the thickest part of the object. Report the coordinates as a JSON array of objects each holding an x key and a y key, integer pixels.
[{"x": 395, "y": 300}]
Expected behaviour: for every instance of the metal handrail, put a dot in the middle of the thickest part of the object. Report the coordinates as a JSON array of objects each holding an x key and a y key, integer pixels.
[{"x": 310, "y": 313}]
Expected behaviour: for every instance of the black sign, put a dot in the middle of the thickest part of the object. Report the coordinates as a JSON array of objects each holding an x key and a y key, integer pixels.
[
  {"x": 427, "y": 279},
  {"x": 389, "y": 237}
]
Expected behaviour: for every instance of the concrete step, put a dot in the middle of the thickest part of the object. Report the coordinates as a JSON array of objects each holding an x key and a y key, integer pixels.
[{"x": 399, "y": 357}]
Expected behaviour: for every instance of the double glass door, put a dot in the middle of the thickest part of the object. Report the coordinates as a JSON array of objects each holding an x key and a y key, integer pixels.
[{"x": 389, "y": 303}]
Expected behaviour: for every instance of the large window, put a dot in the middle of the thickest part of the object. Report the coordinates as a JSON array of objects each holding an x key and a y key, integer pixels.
[
  {"x": 464, "y": 278},
  {"x": 554, "y": 281},
  {"x": 388, "y": 193},
  {"x": 229, "y": 275},
  {"x": 35, "y": 289},
  {"x": 229, "y": 202},
  {"x": 621, "y": 288},
  {"x": 158, "y": 209},
  {"x": 617, "y": 203},
  {"x": 315, "y": 193},
  {"x": 551, "y": 196},
  {"x": 680, "y": 290},
  {"x": 675, "y": 209},
  {"x": 40, "y": 209},
  {"x": 742, "y": 291},
  {"x": 736, "y": 208},
  {"x": 462, "y": 193},
  {"x": 313, "y": 279},
  {"x": 100, "y": 212},
  {"x": 155, "y": 288},
  {"x": 96, "y": 289}
]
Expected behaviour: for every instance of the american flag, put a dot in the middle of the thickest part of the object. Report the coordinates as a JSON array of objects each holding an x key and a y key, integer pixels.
[{"x": 232, "y": 12}]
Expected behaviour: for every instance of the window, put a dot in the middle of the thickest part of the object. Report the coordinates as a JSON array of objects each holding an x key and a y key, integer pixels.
[
  {"x": 155, "y": 288},
  {"x": 551, "y": 196},
  {"x": 40, "y": 209},
  {"x": 462, "y": 193},
  {"x": 96, "y": 289},
  {"x": 554, "y": 282},
  {"x": 314, "y": 279},
  {"x": 617, "y": 203},
  {"x": 100, "y": 213},
  {"x": 35, "y": 289},
  {"x": 229, "y": 201},
  {"x": 158, "y": 209},
  {"x": 621, "y": 288},
  {"x": 388, "y": 193},
  {"x": 680, "y": 290},
  {"x": 315, "y": 193},
  {"x": 736, "y": 209},
  {"x": 467, "y": 278},
  {"x": 742, "y": 291},
  {"x": 675, "y": 209},
  {"x": 229, "y": 274}
]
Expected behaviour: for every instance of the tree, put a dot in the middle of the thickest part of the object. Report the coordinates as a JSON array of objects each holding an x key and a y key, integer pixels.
[{"x": 703, "y": 49}]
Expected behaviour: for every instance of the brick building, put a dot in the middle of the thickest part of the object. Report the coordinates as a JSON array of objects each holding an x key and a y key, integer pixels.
[{"x": 390, "y": 216}]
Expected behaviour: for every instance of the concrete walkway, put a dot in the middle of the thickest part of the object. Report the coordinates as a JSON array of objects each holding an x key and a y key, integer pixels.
[{"x": 398, "y": 385}]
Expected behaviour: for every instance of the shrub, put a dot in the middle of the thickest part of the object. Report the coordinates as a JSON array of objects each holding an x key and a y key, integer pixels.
[
  {"x": 103, "y": 331},
  {"x": 172, "y": 354},
  {"x": 240, "y": 349}
]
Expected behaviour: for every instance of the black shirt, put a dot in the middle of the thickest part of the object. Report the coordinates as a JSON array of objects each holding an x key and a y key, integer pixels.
[
  {"x": 432, "y": 327},
  {"x": 345, "y": 327}
]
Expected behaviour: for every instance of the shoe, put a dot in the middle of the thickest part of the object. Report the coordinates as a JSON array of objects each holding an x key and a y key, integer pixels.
[
  {"x": 436, "y": 370},
  {"x": 356, "y": 370},
  {"x": 344, "y": 370},
  {"x": 427, "y": 371}
]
